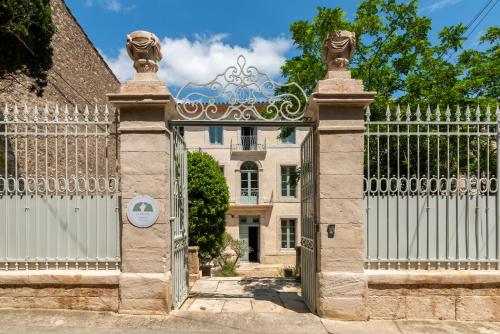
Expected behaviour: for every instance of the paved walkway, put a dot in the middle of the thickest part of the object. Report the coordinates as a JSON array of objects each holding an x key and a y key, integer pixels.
[{"x": 244, "y": 295}]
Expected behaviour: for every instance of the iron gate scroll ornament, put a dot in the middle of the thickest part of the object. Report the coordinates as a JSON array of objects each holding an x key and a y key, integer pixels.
[
  {"x": 243, "y": 93},
  {"x": 142, "y": 211}
]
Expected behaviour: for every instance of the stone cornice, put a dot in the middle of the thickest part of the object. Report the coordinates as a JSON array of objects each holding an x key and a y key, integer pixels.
[{"x": 127, "y": 99}]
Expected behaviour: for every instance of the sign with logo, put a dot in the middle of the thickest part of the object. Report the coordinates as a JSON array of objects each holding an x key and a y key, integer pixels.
[{"x": 142, "y": 211}]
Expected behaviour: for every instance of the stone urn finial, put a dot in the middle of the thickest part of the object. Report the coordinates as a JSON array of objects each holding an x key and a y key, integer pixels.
[
  {"x": 143, "y": 47},
  {"x": 338, "y": 49}
]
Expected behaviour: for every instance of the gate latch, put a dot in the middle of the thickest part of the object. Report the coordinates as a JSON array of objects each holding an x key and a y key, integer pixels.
[{"x": 331, "y": 230}]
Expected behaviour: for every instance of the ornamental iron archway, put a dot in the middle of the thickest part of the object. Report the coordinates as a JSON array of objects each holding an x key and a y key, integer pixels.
[{"x": 242, "y": 95}]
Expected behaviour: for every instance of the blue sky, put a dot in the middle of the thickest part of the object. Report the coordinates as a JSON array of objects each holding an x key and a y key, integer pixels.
[{"x": 200, "y": 38}]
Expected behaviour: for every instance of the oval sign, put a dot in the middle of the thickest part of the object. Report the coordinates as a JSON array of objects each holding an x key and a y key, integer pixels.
[{"x": 142, "y": 211}]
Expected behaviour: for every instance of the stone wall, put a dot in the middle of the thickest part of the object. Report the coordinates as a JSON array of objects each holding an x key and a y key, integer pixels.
[
  {"x": 91, "y": 298},
  {"x": 59, "y": 289},
  {"x": 465, "y": 296},
  {"x": 79, "y": 74}
]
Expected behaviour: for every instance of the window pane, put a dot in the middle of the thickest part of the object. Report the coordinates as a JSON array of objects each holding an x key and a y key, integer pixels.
[
  {"x": 215, "y": 134},
  {"x": 180, "y": 129},
  {"x": 287, "y": 187},
  {"x": 284, "y": 181},
  {"x": 290, "y": 139},
  {"x": 284, "y": 233}
]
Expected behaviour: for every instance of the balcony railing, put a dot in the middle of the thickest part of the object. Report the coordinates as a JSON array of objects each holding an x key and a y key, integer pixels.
[
  {"x": 249, "y": 196},
  {"x": 248, "y": 143}
]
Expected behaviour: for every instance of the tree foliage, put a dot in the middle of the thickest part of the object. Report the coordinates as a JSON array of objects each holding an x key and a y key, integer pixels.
[
  {"x": 26, "y": 30},
  {"x": 395, "y": 57},
  {"x": 208, "y": 196}
]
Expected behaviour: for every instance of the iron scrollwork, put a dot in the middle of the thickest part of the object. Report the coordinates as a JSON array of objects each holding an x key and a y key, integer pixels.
[
  {"x": 307, "y": 243},
  {"x": 241, "y": 92}
]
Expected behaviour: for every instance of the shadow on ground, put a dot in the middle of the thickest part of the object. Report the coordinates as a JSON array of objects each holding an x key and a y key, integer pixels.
[{"x": 246, "y": 295}]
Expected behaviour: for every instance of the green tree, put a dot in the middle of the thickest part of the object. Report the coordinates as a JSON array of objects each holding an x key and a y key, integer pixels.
[
  {"x": 481, "y": 78},
  {"x": 26, "y": 30},
  {"x": 395, "y": 57},
  {"x": 208, "y": 196}
]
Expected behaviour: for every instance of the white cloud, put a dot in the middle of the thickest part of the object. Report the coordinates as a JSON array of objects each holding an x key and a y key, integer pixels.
[
  {"x": 113, "y": 5},
  {"x": 440, "y": 4},
  {"x": 205, "y": 57}
]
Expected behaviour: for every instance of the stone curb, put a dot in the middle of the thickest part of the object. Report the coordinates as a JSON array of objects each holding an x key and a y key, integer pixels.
[
  {"x": 414, "y": 277},
  {"x": 60, "y": 277}
]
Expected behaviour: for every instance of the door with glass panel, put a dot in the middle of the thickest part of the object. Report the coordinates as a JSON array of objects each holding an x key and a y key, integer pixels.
[
  {"x": 249, "y": 235},
  {"x": 248, "y": 138},
  {"x": 249, "y": 183}
]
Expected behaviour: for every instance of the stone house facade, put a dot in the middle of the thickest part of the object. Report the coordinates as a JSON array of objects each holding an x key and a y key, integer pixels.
[{"x": 264, "y": 203}]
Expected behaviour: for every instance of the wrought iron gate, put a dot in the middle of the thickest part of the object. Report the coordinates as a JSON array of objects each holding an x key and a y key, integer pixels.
[
  {"x": 308, "y": 222},
  {"x": 179, "y": 220}
]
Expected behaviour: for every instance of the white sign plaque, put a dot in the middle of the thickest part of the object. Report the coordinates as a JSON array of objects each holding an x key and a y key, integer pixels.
[{"x": 142, "y": 211}]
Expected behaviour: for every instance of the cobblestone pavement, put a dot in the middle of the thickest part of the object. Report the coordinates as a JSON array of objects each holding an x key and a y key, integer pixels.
[{"x": 244, "y": 295}]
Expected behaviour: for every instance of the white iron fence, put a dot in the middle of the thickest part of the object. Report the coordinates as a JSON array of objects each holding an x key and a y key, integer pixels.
[
  {"x": 58, "y": 189},
  {"x": 431, "y": 189}
]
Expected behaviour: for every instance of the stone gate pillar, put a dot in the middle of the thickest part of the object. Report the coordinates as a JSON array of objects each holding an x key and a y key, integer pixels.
[
  {"x": 337, "y": 105},
  {"x": 145, "y": 170}
]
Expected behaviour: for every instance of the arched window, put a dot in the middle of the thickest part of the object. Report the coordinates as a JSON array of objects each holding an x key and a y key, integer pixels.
[{"x": 249, "y": 183}]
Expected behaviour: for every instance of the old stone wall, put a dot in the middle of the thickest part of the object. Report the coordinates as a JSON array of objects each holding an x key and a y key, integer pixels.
[
  {"x": 79, "y": 74},
  {"x": 458, "y": 296},
  {"x": 60, "y": 289},
  {"x": 91, "y": 298}
]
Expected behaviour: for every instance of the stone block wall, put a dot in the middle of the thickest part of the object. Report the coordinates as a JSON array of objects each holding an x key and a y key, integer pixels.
[
  {"x": 193, "y": 264},
  {"x": 90, "y": 298},
  {"x": 60, "y": 289},
  {"x": 454, "y": 298}
]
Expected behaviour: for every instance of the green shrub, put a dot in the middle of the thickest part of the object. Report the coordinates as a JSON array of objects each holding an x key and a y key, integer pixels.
[
  {"x": 227, "y": 270},
  {"x": 208, "y": 197},
  {"x": 230, "y": 253}
]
